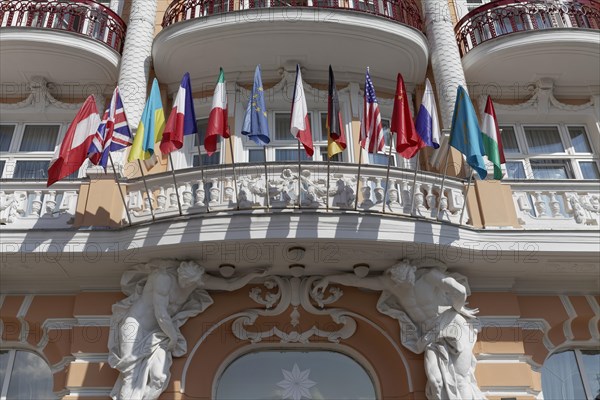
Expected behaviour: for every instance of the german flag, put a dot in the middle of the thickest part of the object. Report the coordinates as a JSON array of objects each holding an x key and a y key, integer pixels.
[{"x": 336, "y": 138}]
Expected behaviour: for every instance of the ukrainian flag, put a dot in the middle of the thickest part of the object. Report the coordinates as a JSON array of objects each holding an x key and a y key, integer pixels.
[{"x": 150, "y": 128}]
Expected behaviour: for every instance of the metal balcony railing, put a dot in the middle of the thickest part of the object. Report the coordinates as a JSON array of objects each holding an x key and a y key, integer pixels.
[
  {"x": 404, "y": 11},
  {"x": 505, "y": 17},
  {"x": 83, "y": 17}
]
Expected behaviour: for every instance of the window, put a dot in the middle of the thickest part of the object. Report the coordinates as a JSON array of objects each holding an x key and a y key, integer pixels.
[
  {"x": 291, "y": 374},
  {"x": 26, "y": 150},
  {"x": 24, "y": 375},
  {"x": 572, "y": 374},
  {"x": 193, "y": 147},
  {"x": 548, "y": 152},
  {"x": 382, "y": 157}
]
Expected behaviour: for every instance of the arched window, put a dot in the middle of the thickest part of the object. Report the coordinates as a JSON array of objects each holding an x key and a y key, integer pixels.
[
  {"x": 24, "y": 375},
  {"x": 572, "y": 374},
  {"x": 294, "y": 375}
]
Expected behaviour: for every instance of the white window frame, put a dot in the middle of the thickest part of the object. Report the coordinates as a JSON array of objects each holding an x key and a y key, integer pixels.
[
  {"x": 570, "y": 155},
  {"x": 190, "y": 150},
  {"x": 12, "y": 355},
  {"x": 13, "y": 154}
]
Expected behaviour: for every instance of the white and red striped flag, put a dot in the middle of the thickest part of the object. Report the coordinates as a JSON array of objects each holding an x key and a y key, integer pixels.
[
  {"x": 76, "y": 143},
  {"x": 371, "y": 129}
]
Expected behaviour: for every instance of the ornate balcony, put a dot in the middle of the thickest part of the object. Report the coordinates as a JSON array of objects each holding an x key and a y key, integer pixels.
[
  {"x": 76, "y": 41},
  {"x": 508, "y": 42},
  {"x": 386, "y": 33}
]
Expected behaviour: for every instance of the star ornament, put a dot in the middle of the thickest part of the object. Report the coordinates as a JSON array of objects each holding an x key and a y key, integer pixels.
[{"x": 296, "y": 384}]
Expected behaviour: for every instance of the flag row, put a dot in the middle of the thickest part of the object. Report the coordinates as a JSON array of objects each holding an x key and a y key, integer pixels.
[{"x": 90, "y": 136}]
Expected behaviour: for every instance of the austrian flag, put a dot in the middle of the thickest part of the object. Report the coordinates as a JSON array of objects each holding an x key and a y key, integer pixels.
[{"x": 74, "y": 148}]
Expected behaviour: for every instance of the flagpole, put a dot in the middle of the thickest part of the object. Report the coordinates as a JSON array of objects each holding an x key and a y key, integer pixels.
[
  {"x": 120, "y": 188},
  {"x": 299, "y": 175},
  {"x": 358, "y": 178},
  {"x": 147, "y": 190},
  {"x": 230, "y": 140},
  {"x": 175, "y": 183},
  {"x": 201, "y": 165},
  {"x": 327, "y": 188},
  {"x": 466, "y": 195},
  {"x": 267, "y": 195},
  {"x": 437, "y": 217},
  {"x": 414, "y": 187},
  {"x": 387, "y": 174}
]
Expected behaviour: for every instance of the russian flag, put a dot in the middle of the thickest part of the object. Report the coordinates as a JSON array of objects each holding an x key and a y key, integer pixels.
[
  {"x": 182, "y": 120},
  {"x": 427, "y": 120},
  {"x": 74, "y": 148}
]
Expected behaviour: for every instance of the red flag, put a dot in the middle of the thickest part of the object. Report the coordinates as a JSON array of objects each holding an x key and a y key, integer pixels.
[
  {"x": 408, "y": 141},
  {"x": 74, "y": 148}
]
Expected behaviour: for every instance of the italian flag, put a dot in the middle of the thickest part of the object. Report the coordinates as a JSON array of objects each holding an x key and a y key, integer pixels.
[
  {"x": 492, "y": 142},
  {"x": 217, "y": 120}
]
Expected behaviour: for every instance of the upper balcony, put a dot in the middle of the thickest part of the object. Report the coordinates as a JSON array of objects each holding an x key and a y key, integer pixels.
[
  {"x": 510, "y": 43},
  {"x": 239, "y": 34},
  {"x": 66, "y": 42}
]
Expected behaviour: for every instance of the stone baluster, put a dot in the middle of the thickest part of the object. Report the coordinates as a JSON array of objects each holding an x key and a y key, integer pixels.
[
  {"x": 366, "y": 193},
  {"x": 187, "y": 196},
  {"x": 430, "y": 197},
  {"x": 200, "y": 193},
  {"x": 161, "y": 199},
  {"x": 378, "y": 191},
  {"x": 215, "y": 192},
  {"x": 539, "y": 204},
  {"x": 50, "y": 199},
  {"x": 36, "y": 204},
  {"x": 554, "y": 205}
]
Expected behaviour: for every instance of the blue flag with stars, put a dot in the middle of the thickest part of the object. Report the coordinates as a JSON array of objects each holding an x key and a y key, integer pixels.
[
  {"x": 255, "y": 124},
  {"x": 465, "y": 135}
]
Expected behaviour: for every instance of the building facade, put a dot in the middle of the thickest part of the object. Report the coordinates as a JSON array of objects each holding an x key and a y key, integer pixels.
[{"x": 297, "y": 260}]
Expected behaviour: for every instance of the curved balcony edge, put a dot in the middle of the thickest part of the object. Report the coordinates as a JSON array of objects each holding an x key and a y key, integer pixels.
[
  {"x": 505, "y": 17},
  {"x": 81, "y": 17},
  {"x": 406, "y": 12}
]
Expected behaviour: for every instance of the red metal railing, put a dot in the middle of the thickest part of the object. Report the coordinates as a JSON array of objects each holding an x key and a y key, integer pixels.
[
  {"x": 403, "y": 11},
  {"x": 85, "y": 17},
  {"x": 500, "y": 18}
]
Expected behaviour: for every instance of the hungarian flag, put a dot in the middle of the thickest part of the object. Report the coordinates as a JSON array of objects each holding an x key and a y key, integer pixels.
[
  {"x": 113, "y": 132},
  {"x": 74, "y": 148},
  {"x": 336, "y": 139},
  {"x": 299, "y": 124},
  {"x": 217, "y": 120},
  {"x": 182, "y": 120},
  {"x": 492, "y": 142},
  {"x": 371, "y": 129},
  {"x": 408, "y": 141}
]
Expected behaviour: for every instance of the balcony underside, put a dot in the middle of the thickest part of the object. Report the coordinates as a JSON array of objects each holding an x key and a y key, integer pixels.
[
  {"x": 63, "y": 58},
  {"x": 279, "y": 37},
  {"x": 568, "y": 56}
]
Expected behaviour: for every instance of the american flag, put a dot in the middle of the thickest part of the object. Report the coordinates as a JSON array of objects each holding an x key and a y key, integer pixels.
[
  {"x": 371, "y": 132},
  {"x": 113, "y": 133}
]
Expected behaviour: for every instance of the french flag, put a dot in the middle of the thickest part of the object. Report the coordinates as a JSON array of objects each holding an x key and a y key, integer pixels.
[
  {"x": 427, "y": 124},
  {"x": 182, "y": 120},
  {"x": 113, "y": 132},
  {"x": 74, "y": 148}
]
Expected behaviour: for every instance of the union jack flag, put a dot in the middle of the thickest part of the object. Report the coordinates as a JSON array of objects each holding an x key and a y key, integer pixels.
[
  {"x": 371, "y": 129},
  {"x": 113, "y": 133}
]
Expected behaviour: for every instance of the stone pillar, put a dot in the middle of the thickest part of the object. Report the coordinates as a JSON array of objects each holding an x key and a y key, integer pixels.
[
  {"x": 445, "y": 58},
  {"x": 136, "y": 58}
]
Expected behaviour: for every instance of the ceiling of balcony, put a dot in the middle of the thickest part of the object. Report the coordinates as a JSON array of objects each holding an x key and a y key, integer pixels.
[
  {"x": 349, "y": 41},
  {"x": 69, "y": 61},
  {"x": 568, "y": 56}
]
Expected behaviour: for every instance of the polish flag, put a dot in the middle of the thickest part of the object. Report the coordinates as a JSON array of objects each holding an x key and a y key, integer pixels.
[
  {"x": 182, "y": 120},
  {"x": 74, "y": 148},
  {"x": 299, "y": 125}
]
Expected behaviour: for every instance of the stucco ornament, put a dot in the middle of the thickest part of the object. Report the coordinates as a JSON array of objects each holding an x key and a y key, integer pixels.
[
  {"x": 145, "y": 327},
  {"x": 429, "y": 304}
]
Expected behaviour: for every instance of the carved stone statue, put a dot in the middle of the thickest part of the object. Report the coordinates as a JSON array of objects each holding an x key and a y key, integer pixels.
[
  {"x": 145, "y": 327},
  {"x": 429, "y": 304}
]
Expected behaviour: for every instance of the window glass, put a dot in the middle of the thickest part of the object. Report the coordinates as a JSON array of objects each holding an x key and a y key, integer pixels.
[
  {"x": 270, "y": 375},
  {"x": 255, "y": 155},
  {"x": 201, "y": 124},
  {"x": 381, "y": 159},
  {"x": 579, "y": 139},
  {"x": 2, "y": 162},
  {"x": 6, "y": 135},
  {"x": 31, "y": 378},
  {"x": 509, "y": 140},
  {"x": 515, "y": 170},
  {"x": 37, "y": 170},
  {"x": 323, "y": 126},
  {"x": 4, "y": 355},
  {"x": 543, "y": 139},
  {"x": 324, "y": 155},
  {"x": 207, "y": 160},
  {"x": 561, "y": 378},
  {"x": 589, "y": 170},
  {"x": 550, "y": 169},
  {"x": 591, "y": 365},
  {"x": 39, "y": 138},
  {"x": 282, "y": 126},
  {"x": 385, "y": 123},
  {"x": 290, "y": 155}
]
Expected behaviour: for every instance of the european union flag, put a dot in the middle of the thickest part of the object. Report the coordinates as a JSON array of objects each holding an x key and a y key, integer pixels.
[
  {"x": 255, "y": 125},
  {"x": 465, "y": 135}
]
